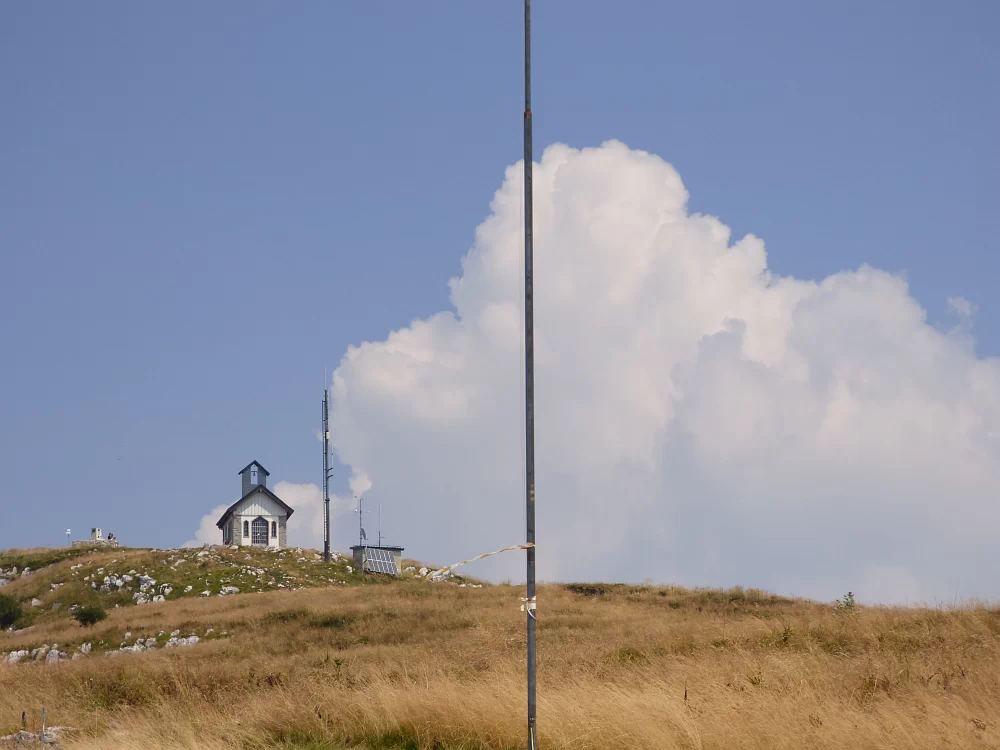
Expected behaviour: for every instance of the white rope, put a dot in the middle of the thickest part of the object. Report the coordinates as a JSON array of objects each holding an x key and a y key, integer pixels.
[{"x": 445, "y": 571}]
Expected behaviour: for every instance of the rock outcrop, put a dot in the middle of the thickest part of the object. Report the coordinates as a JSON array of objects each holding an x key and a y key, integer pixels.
[{"x": 53, "y": 738}]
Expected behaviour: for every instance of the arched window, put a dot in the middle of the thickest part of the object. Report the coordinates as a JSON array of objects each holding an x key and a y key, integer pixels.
[
  {"x": 259, "y": 527},
  {"x": 274, "y": 529},
  {"x": 246, "y": 528}
]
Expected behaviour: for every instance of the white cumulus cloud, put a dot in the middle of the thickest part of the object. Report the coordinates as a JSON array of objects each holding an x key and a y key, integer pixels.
[
  {"x": 699, "y": 418},
  {"x": 208, "y": 532}
]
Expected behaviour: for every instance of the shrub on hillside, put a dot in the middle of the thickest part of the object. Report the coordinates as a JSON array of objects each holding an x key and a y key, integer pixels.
[
  {"x": 90, "y": 615},
  {"x": 10, "y": 611},
  {"x": 847, "y": 603}
]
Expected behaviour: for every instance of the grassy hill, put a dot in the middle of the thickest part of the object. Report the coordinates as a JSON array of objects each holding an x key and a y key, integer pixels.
[
  {"x": 329, "y": 660},
  {"x": 62, "y": 579}
]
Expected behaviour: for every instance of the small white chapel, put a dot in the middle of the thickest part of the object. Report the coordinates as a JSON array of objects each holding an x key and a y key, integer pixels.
[{"x": 259, "y": 518}]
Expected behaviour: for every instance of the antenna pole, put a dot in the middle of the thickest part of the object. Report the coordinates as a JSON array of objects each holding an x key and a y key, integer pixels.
[
  {"x": 326, "y": 477},
  {"x": 361, "y": 528},
  {"x": 380, "y": 523},
  {"x": 529, "y": 380}
]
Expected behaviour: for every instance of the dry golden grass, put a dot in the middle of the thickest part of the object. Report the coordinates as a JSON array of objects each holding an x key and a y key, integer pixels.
[{"x": 420, "y": 665}]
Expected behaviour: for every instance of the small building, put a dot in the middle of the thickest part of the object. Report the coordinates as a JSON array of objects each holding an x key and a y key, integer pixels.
[
  {"x": 378, "y": 559},
  {"x": 259, "y": 518}
]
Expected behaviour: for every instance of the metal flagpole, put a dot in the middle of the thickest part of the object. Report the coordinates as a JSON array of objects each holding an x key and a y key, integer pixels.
[
  {"x": 529, "y": 381},
  {"x": 326, "y": 478}
]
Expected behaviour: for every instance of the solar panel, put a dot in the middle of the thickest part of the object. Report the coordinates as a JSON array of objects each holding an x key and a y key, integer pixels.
[{"x": 380, "y": 561}]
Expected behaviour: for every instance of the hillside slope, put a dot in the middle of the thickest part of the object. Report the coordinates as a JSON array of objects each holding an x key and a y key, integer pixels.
[{"x": 413, "y": 664}]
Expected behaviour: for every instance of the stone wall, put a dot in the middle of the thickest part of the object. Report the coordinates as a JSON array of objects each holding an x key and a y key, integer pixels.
[
  {"x": 95, "y": 543},
  {"x": 282, "y": 533}
]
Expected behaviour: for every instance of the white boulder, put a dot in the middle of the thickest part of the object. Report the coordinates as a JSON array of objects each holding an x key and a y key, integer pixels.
[
  {"x": 177, "y": 642},
  {"x": 15, "y": 656}
]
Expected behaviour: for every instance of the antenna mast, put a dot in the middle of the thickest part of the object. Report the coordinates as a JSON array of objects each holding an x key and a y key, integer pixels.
[
  {"x": 529, "y": 380},
  {"x": 362, "y": 537},
  {"x": 326, "y": 477}
]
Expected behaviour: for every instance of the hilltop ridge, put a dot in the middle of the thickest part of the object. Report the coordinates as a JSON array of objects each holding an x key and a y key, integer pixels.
[
  {"x": 334, "y": 661},
  {"x": 51, "y": 584}
]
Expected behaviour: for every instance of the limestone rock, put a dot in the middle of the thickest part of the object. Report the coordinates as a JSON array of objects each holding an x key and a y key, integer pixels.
[
  {"x": 53, "y": 738},
  {"x": 135, "y": 649},
  {"x": 15, "y": 656},
  {"x": 177, "y": 642}
]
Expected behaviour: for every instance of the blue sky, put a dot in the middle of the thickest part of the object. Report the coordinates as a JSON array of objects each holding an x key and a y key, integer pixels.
[{"x": 202, "y": 206}]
